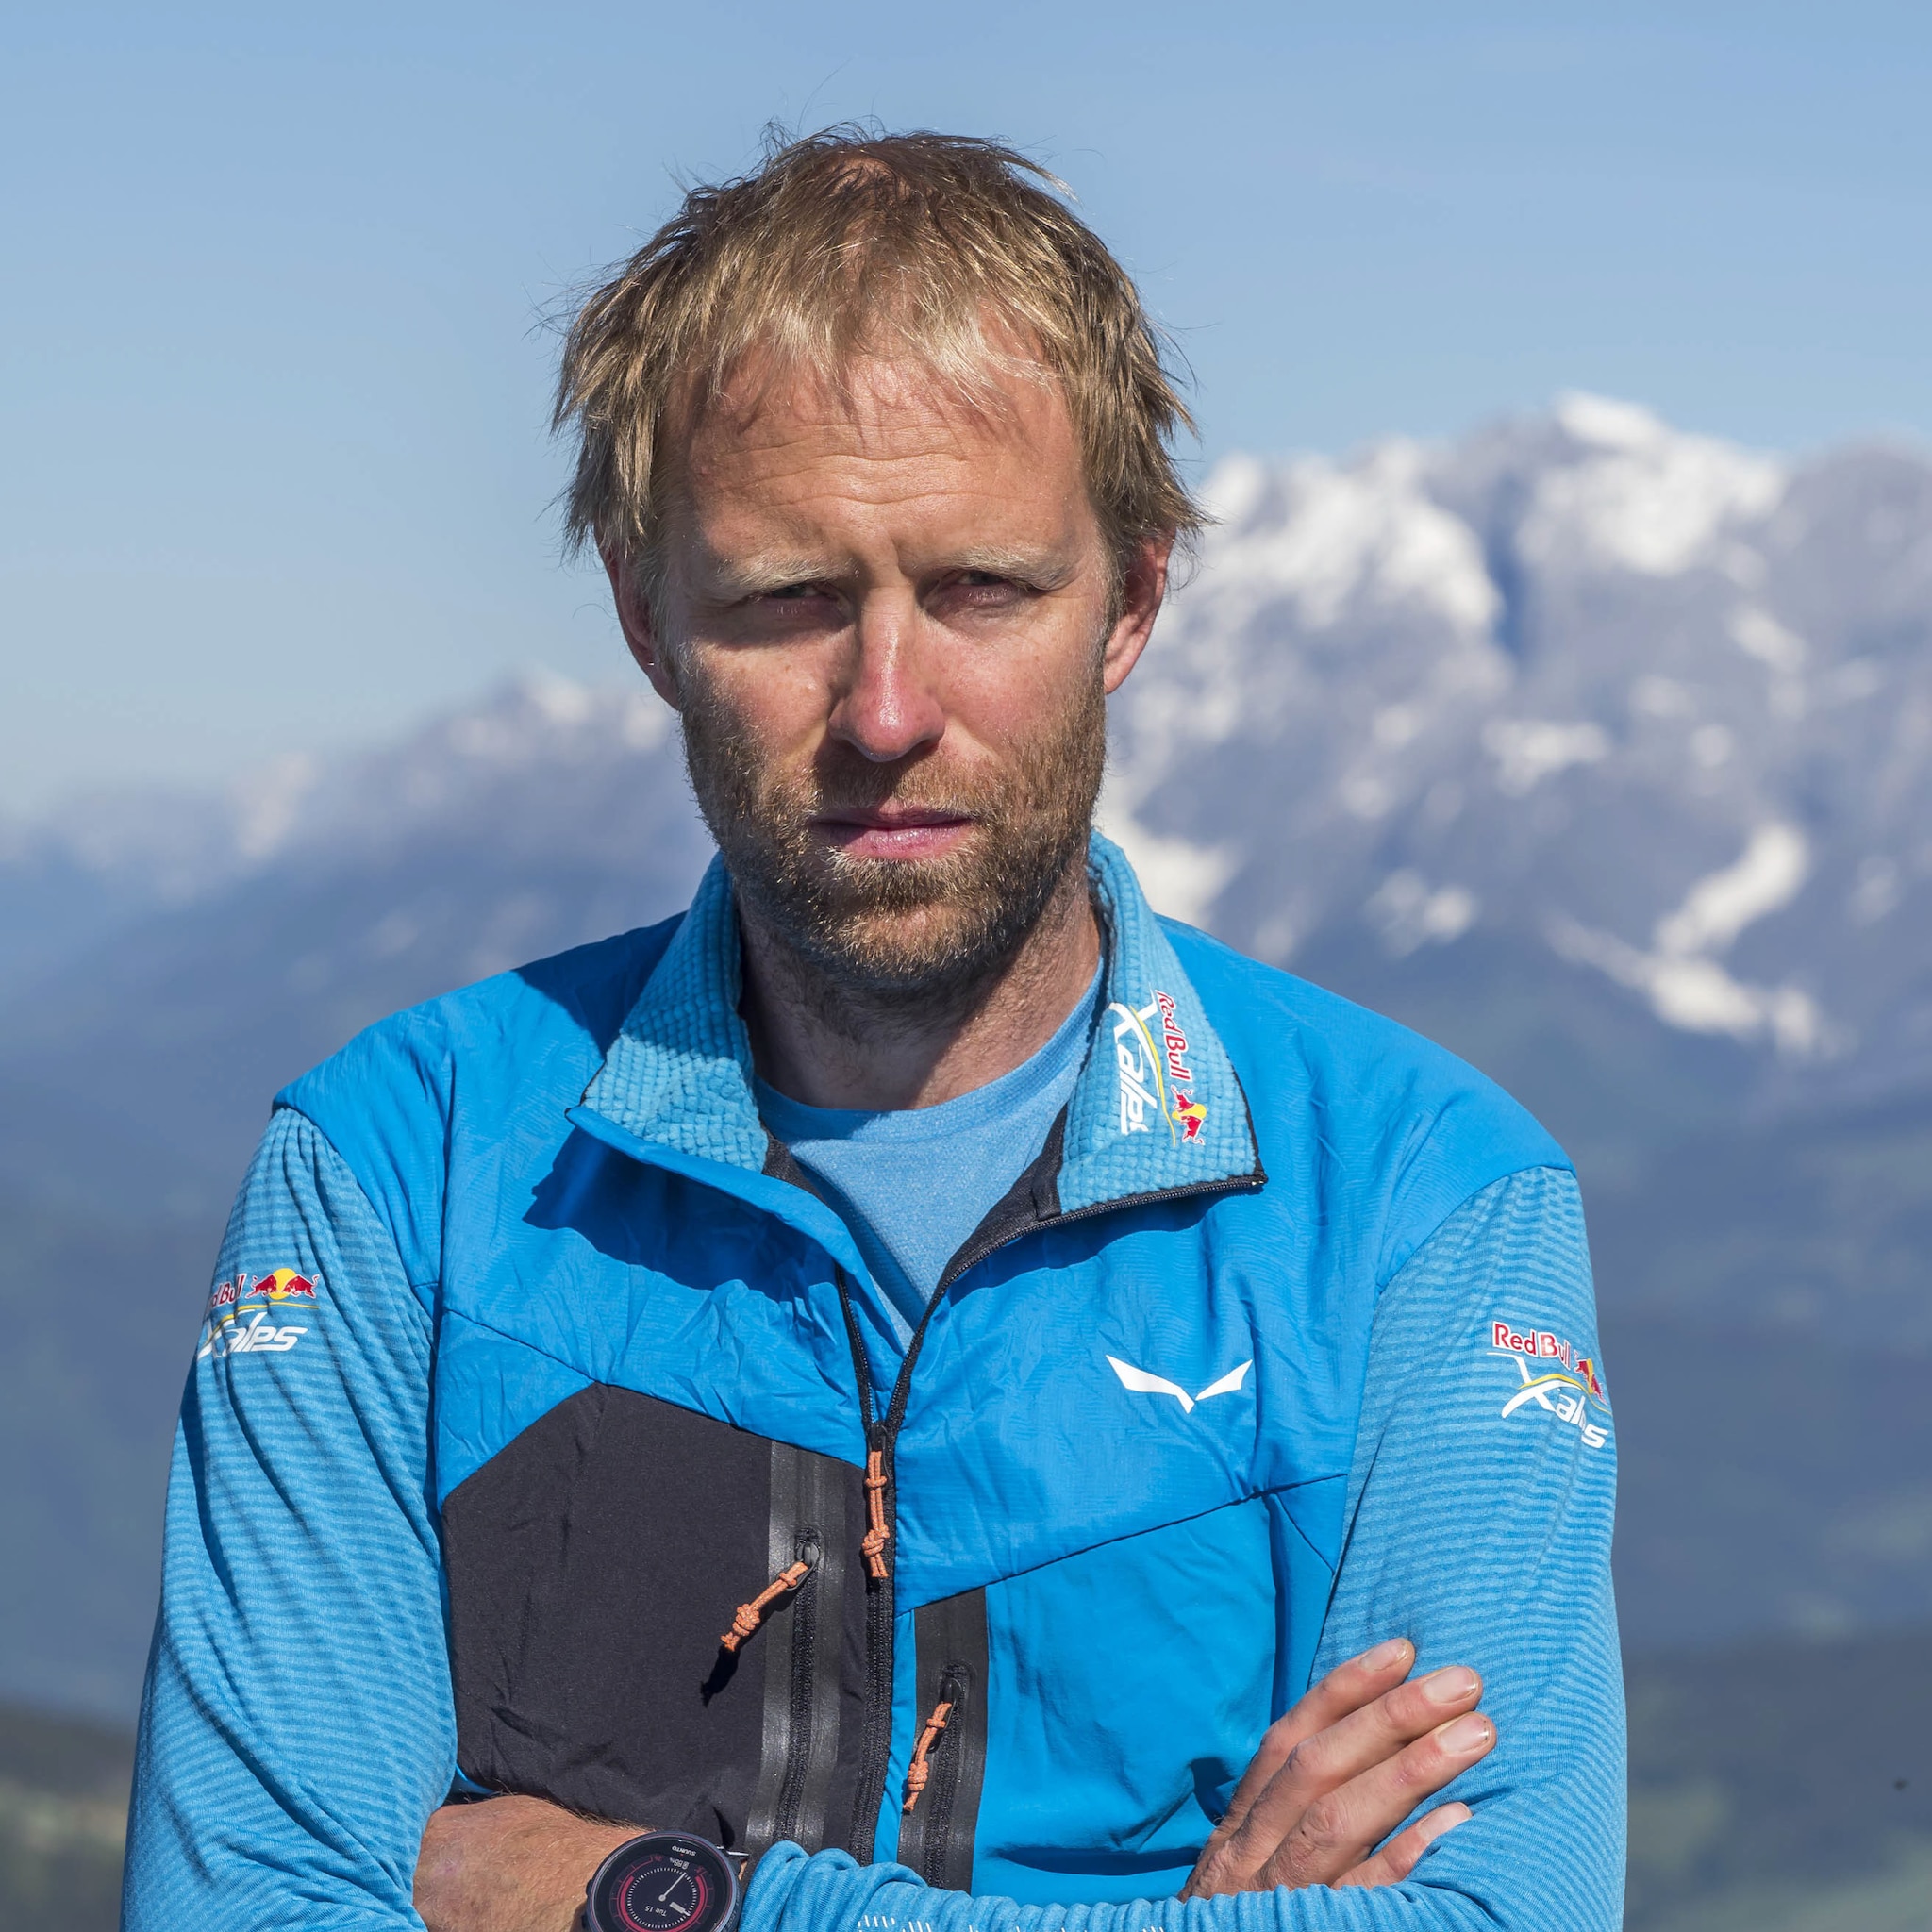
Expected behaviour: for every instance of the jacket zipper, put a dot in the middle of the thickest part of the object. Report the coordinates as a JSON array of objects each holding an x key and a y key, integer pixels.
[
  {"x": 805, "y": 1630},
  {"x": 881, "y": 1438},
  {"x": 944, "y": 1786}
]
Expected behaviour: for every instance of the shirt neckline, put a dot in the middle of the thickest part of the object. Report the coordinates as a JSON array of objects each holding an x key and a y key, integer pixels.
[{"x": 794, "y": 1120}]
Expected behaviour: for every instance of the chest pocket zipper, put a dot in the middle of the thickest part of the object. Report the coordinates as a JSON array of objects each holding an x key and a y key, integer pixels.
[
  {"x": 934, "y": 1766},
  {"x": 805, "y": 1642}
]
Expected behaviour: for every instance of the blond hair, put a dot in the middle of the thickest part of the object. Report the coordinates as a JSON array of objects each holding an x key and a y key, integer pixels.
[{"x": 849, "y": 244}]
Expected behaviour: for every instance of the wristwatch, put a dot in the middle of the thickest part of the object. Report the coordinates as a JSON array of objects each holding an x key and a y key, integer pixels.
[{"x": 664, "y": 1881}]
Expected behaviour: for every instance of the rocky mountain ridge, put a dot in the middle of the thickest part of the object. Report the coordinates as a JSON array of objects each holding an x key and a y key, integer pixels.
[{"x": 1597, "y": 750}]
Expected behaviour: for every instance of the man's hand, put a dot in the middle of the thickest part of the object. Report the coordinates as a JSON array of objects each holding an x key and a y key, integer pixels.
[
  {"x": 510, "y": 1865},
  {"x": 1343, "y": 1767}
]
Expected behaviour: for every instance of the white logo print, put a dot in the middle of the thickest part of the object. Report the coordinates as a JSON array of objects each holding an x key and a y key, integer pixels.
[
  {"x": 261, "y": 1336},
  {"x": 1149, "y": 1091},
  {"x": 1138, "y": 1066},
  {"x": 1568, "y": 1388},
  {"x": 1142, "y": 1383},
  {"x": 1566, "y": 1408}
]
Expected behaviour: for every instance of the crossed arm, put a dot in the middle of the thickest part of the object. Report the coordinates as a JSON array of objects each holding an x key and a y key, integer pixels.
[
  {"x": 1330, "y": 1781},
  {"x": 297, "y": 1729}
]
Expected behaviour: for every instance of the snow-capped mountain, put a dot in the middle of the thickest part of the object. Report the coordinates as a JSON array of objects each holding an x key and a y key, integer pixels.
[
  {"x": 1652, "y": 704},
  {"x": 1599, "y": 751},
  {"x": 1657, "y": 708}
]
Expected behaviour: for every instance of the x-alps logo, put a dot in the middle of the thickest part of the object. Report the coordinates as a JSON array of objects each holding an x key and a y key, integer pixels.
[
  {"x": 1551, "y": 1377},
  {"x": 246, "y": 1315},
  {"x": 1150, "y": 1055}
]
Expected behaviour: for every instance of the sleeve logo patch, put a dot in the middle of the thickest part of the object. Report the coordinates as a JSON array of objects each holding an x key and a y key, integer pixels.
[
  {"x": 1552, "y": 1377},
  {"x": 245, "y": 1315}
]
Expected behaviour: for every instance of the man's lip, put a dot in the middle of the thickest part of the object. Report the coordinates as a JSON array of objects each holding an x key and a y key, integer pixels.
[
  {"x": 904, "y": 819},
  {"x": 897, "y": 835}
]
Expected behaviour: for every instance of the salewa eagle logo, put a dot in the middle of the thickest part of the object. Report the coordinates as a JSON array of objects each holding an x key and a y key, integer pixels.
[{"x": 1142, "y": 1383}]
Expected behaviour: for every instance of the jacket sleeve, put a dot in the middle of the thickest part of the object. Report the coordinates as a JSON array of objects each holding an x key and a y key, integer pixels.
[
  {"x": 1479, "y": 1519},
  {"x": 296, "y": 1730}
]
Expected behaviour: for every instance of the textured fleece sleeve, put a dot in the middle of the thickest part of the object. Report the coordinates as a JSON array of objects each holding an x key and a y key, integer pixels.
[
  {"x": 297, "y": 1728},
  {"x": 1479, "y": 1527}
]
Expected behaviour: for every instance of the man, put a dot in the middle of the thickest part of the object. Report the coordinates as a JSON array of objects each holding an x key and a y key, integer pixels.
[{"x": 909, "y": 1372}]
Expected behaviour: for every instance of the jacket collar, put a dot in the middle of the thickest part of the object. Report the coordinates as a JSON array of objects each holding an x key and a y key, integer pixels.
[{"x": 1157, "y": 1108}]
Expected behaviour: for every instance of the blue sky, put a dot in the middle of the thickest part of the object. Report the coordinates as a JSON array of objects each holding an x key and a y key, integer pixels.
[{"x": 273, "y": 385}]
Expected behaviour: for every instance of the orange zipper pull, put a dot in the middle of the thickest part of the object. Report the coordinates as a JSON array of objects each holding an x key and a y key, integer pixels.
[
  {"x": 919, "y": 1772},
  {"x": 747, "y": 1617},
  {"x": 877, "y": 1536}
]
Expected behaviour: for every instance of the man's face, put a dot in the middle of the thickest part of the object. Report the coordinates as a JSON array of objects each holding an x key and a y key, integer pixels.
[{"x": 891, "y": 622}]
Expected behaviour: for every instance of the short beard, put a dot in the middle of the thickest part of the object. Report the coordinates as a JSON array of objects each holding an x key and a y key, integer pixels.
[{"x": 917, "y": 940}]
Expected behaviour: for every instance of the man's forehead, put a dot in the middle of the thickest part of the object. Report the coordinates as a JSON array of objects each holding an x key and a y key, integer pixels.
[
  {"x": 880, "y": 409},
  {"x": 781, "y": 458}
]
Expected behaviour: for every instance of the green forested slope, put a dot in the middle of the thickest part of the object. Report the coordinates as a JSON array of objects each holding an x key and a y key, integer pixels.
[{"x": 1776, "y": 1787}]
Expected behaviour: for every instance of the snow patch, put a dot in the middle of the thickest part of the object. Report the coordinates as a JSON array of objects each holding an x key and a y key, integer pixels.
[
  {"x": 1642, "y": 497},
  {"x": 1685, "y": 983},
  {"x": 1609, "y": 423},
  {"x": 1698, "y": 995},
  {"x": 1408, "y": 914},
  {"x": 1363, "y": 531},
  {"x": 558, "y": 699},
  {"x": 1875, "y": 891},
  {"x": 1179, "y": 877},
  {"x": 1759, "y": 635},
  {"x": 1768, "y": 877},
  {"x": 1529, "y": 750},
  {"x": 1234, "y": 488},
  {"x": 1653, "y": 696},
  {"x": 1711, "y": 745},
  {"x": 268, "y": 804}
]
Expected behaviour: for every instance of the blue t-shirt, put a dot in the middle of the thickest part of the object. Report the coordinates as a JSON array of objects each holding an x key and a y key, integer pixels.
[{"x": 914, "y": 1182}]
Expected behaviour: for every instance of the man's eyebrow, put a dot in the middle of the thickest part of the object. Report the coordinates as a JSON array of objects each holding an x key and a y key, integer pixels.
[
  {"x": 1045, "y": 568},
  {"x": 760, "y": 576}
]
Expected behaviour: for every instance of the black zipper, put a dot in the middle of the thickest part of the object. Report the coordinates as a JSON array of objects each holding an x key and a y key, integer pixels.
[
  {"x": 971, "y": 1256},
  {"x": 945, "y": 1785},
  {"x": 805, "y": 1631},
  {"x": 876, "y": 1733},
  {"x": 882, "y": 1435}
]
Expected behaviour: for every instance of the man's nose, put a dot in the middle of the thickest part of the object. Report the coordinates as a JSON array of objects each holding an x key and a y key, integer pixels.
[{"x": 887, "y": 706}]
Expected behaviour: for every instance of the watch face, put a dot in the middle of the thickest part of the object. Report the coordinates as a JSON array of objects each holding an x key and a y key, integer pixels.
[{"x": 664, "y": 1882}]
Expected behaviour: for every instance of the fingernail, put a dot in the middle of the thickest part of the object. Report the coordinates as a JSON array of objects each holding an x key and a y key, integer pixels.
[
  {"x": 1451, "y": 1685},
  {"x": 1448, "y": 1818},
  {"x": 1386, "y": 1655},
  {"x": 1466, "y": 1735}
]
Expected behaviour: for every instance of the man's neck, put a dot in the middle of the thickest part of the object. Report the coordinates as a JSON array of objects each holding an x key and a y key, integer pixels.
[{"x": 816, "y": 1044}]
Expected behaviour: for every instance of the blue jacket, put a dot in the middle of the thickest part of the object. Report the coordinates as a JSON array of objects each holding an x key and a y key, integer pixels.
[{"x": 531, "y": 1357}]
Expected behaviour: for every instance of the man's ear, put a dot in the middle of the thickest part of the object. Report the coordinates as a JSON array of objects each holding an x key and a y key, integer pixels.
[
  {"x": 639, "y": 626},
  {"x": 1143, "y": 584}
]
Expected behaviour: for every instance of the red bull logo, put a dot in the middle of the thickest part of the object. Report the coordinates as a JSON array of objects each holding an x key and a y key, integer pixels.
[
  {"x": 284, "y": 1284},
  {"x": 278, "y": 1285},
  {"x": 1190, "y": 1115},
  {"x": 1174, "y": 1042}
]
